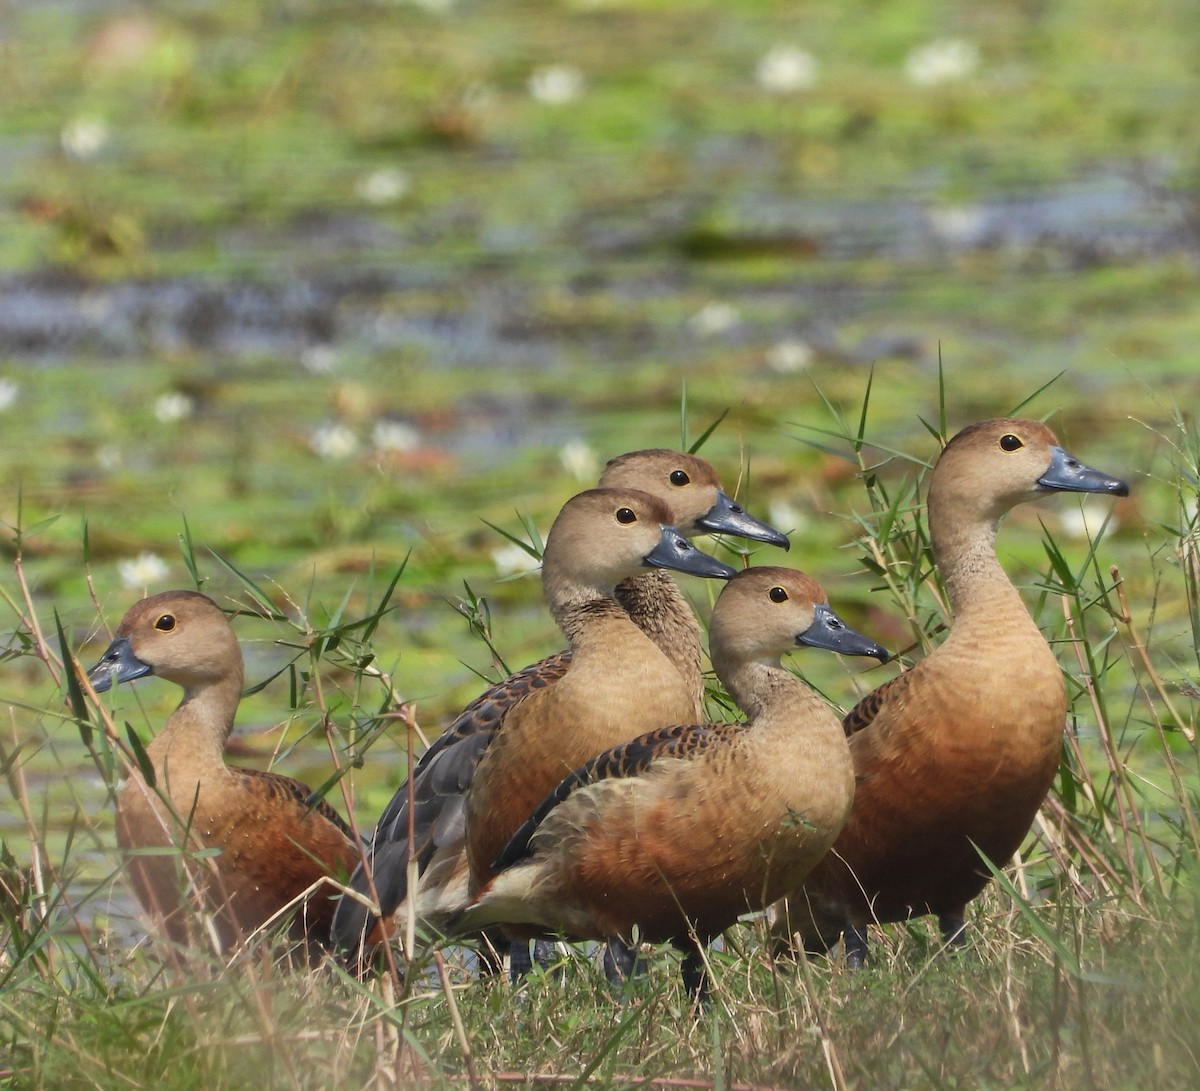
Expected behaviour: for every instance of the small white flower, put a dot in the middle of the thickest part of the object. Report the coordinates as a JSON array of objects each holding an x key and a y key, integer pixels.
[
  {"x": 789, "y": 355},
  {"x": 333, "y": 441},
  {"x": 109, "y": 457},
  {"x": 318, "y": 359},
  {"x": 395, "y": 435},
  {"x": 579, "y": 460},
  {"x": 713, "y": 319},
  {"x": 83, "y": 137},
  {"x": 512, "y": 560},
  {"x": 960, "y": 225},
  {"x": 8, "y": 393},
  {"x": 173, "y": 407},
  {"x": 941, "y": 61},
  {"x": 787, "y": 68},
  {"x": 1085, "y": 521},
  {"x": 786, "y": 516},
  {"x": 556, "y": 84},
  {"x": 138, "y": 573},
  {"x": 384, "y": 186}
]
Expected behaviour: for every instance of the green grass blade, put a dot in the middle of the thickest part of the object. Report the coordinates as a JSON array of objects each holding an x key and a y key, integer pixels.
[
  {"x": 260, "y": 597},
  {"x": 683, "y": 416},
  {"x": 188, "y": 550},
  {"x": 1020, "y": 406},
  {"x": 534, "y": 550},
  {"x": 384, "y": 606},
  {"x": 707, "y": 432},
  {"x": 145, "y": 765},
  {"x": 75, "y": 697}
]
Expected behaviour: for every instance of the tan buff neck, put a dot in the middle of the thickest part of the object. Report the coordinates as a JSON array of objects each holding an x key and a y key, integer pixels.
[
  {"x": 196, "y": 733},
  {"x": 658, "y": 608},
  {"x": 964, "y": 550},
  {"x": 575, "y": 603},
  {"x": 758, "y": 686}
]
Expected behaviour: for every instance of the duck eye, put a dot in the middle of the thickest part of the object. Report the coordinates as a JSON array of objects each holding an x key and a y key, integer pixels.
[
  {"x": 165, "y": 623},
  {"x": 777, "y": 594},
  {"x": 680, "y": 477},
  {"x": 626, "y": 516},
  {"x": 1010, "y": 443}
]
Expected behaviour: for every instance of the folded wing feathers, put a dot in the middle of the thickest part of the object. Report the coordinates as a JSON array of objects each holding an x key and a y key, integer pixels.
[{"x": 630, "y": 759}]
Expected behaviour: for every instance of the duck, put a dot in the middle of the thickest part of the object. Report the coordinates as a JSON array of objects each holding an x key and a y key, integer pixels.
[
  {"x": 674, "y": 834},
  {"x": 274, "y": 843},
  {"x": 697, "y": 503},
  {"x": 953, "y": 757}
]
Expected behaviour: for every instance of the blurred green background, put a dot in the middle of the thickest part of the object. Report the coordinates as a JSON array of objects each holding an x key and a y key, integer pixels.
[{"x": 337, "y": 281}]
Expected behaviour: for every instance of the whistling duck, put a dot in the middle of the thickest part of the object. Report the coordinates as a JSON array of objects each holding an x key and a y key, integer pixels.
[
  {"x": 953, "y": 757},
  {"x": 680, "y": 831},
  {"x": 698, "y": 505},
  {"x": 275, "y": 842}
]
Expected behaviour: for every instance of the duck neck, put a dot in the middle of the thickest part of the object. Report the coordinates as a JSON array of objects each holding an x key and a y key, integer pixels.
[
  {"x": 759, "y": 685},
  {"x": 194, "y": 737},
  {"x": 965, "y": 553},
  {"x": 579, "y": 607},
  {"x": 657, "y": 607}
]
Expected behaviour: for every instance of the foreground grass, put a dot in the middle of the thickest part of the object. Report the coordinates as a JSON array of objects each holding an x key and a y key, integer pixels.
[{"x": 1010, "y": 1012}]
